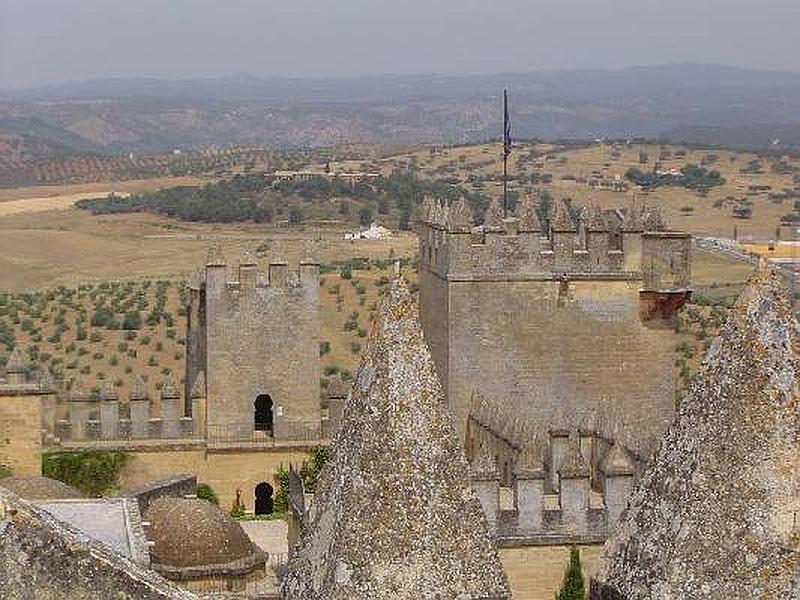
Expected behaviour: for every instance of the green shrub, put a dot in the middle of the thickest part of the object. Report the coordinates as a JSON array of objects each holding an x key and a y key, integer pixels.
[
  {"x": 91, "y": 472},
  {"x": 132, "y": 320},
  {"x": 102, "y": 317},
  {"x": 573, "y": 588},
  {"x": 205, "y": 492}
]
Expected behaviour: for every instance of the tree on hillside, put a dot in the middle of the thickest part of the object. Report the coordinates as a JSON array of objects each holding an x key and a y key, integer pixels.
[
  {"x": 572, "y": 588},
  {"x": 365, "y": 216}
]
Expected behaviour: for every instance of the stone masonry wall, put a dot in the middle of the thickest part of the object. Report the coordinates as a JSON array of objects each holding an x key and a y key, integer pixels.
[
  {"x": 536, "y": 572},
  {"x": 20, "y": 433},
  {"x": 434, "y": 317},
  {"x": 263, "y": 340},
  {"x": 559, "y": 351},
  {"x": 226, "y": 471}
]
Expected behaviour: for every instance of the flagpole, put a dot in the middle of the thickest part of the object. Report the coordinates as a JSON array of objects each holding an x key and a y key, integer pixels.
[{"x": 505, "y": 154}]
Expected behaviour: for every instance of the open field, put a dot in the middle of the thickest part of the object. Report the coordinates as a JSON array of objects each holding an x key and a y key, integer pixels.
[
  {"x": 478, "y": 168},
  {"x": 89, "y": 190},
  {"x": 45, "y": 243}
]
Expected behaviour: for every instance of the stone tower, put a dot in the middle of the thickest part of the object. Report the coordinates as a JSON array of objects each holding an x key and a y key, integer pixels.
[
  {"x": 554, "y": 315},
  {"x": 394, "y": 515},
  {"x": 717, "y": 512},
  {"x": 254, "y": 341}
]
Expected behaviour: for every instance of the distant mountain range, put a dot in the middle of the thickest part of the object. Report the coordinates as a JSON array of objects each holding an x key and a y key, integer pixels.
[{"x": 702, "y": 104}]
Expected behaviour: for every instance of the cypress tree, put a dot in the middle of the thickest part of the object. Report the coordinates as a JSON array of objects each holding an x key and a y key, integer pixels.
[{"x": 572, "y": 587}]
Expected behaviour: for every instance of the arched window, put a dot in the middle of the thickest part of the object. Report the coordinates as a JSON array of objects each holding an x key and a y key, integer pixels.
[
  {"x": 263, "y": 413},
  {"x": 263, "y": 498}
]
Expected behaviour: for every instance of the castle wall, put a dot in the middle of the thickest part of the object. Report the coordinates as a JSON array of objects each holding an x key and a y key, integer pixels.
[
  {"x": 666, "y": 260},
  {"x": 226, "y": 471},
  {"x": 20, "y": 432},
  {"x": 195, "y": 343},
  {"x": 553, "y": 350},
  {"x": 536, "y": 572},
  {"x": 263, "y": 340},
  {"x": 434, "y": 317}
]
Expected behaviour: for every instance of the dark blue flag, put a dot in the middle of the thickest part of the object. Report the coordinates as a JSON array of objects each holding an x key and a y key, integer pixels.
[{"x": 506, "y": 126}]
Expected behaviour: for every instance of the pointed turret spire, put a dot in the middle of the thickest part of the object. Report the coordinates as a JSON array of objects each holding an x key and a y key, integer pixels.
[
  {"x": 108, "y": 390},
  {"x": 426, "y": 210},
  {"x": 396, "y": 438},
  {"x": 46, "y": 381},
  {"x": 440, "y": 214},
  {"x": 16, "y": 364},
  {"x": 618, "y": 461},
  {"x": 138, "y": 389},
  {"x": 484, "y": 468},
  {"x": 199, "y": 387},
  {"x": 530, "y": 462},
  {"x": 493, "y": 219},
  {"x": 460, "y": 217},
  {"x": 714, "y": 514},
  {"x": 595, "y": 221},
  {"x": 215, "y": 256},
  {"x": 562, "y": 219},
  {"x": 573, "y": 465},
  {"x": 632, "y": 221},
  {"x": 169, "y": 389},
  {"x": 77, "y": 393},
  {"x": 653, "y": 220},
  {"x": 527, "y": 215},
  {"x": 248, "y": 259}
]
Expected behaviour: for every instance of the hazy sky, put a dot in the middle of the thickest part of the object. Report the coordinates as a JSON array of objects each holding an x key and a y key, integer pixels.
[{"x": 48, "y": 41}]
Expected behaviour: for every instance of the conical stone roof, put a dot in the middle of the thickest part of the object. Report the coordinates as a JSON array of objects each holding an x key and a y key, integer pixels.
[
  {"x": 527, "y": 215},
  {"x": 562, "y": 219},
  {"x": 16, "y": 362},
  {"x": 459, "y": 218},
  {"x": 199, "y": 387},
  {"x": 493, "y": 219},
  {"x": 138, "y": 389},
  {"x": 169, "y": 389},
  {"x": 394, "y": 514},
  {"x": 714, "y": 514}
]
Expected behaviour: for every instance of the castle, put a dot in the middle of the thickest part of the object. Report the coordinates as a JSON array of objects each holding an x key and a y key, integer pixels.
[
  {"x": 250, "y": 402},
  {"x": 548, "y": 329},
  {"x": 555, "y": 314},
  {"x": 254, "y": 343}
]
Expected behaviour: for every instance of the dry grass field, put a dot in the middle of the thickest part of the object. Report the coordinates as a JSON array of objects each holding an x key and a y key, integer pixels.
[
  {"x": 709, "y": 214},
  {"x": 118, "y": 259}
]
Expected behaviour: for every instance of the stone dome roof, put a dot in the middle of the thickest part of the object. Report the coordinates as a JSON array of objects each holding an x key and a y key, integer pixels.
[
  {"x": 194, "y": 537},
  {"x": 39, "y": 488}
]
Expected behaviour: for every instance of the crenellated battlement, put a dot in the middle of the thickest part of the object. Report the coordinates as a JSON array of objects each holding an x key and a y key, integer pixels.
[
  {"x": 565, "y": 241},
  {"x": 236, "y": 279},
  {"x": 571, "y": 482},
  {"x": 105, "y": 417},
  {"x": 254, "y": 335}
]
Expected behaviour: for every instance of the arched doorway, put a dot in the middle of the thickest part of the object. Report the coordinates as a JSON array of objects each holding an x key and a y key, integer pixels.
[
  {"x": 263, "y": 498},
  {"x": 263, "y": 413}
]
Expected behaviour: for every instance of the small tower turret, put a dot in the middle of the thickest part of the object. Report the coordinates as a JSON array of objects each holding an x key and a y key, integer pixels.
[
  {"x": 530, "y": 475},
  {"x": 16, "y": 368},
  {"x": 573, "y": 486},
  {"x": 486, "y": 483}
]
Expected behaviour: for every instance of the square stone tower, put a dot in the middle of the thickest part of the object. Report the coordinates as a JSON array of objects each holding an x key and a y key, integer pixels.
[
  {"x": 253, "y": 342},
  {"x": 561, "y": 316}
]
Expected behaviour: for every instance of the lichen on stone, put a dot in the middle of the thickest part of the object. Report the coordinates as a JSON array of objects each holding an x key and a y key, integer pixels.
[
  {"x": 394, "y": 514},
  {"x": 715, "y": 515}
]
